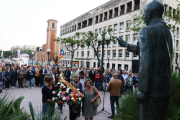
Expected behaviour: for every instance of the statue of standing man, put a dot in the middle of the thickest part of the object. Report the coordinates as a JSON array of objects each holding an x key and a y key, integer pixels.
[{"x": 155, "y": 48}]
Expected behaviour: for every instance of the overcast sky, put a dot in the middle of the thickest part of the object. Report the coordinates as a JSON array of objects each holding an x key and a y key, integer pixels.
[{"x": 25, "y": 21}]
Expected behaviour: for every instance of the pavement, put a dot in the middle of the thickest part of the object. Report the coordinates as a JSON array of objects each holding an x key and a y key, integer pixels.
[{"x": 35, "y": 97}]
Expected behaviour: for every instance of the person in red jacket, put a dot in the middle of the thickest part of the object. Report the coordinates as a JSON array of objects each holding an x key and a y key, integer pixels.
[{"x": 97, "y": 78}]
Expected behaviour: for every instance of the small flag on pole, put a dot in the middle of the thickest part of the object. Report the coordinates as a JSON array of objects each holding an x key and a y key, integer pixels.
[{"x": 61, "y": 55}]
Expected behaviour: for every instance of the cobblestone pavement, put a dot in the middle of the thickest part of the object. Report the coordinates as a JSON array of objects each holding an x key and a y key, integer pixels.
[{"x": 35, "y": 97}]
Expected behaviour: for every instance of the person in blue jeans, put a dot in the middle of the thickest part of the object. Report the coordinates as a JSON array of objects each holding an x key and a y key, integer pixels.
[
  {"x": 115, "y": 87},
  {"x": 30, "y": 76}
]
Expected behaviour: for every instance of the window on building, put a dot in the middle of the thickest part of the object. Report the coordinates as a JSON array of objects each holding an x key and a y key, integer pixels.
[
  {"x": 99, "y": 53},
  {"x": 79, "y": 26},
  {"x": 101, "y": 17},
  {"x": 114, "y": 53},
  {"x": 115, "y": 42},
  {"x": 165, "y": 6},
  {"x": 127, "y": 53},
  {"x": 129, "y": 7},
  {"x": 122, "y": 27},
  {"x": 135, "y": 39},
  {"x": 136, "y": 4},
  {"x": 177, "y": 32},
  {"x": 53, "y": 25},
  {"x": 88, "y": 54},
  {"x": 90, "y": 22},
  {"x": 110, "y": 14},
  {"x": 177, "y": 44},
  {"x": 128, "y": 24},
  {"x": 170, "y": 9},
  {"x": 120, "y": 53},
  {"x": 128, "y": 38},
  {"x": 84, "y": 24},
  {"x": 115, "y": 28},
  {"x": 122, "y": 9},
  {"x": 135, "y": 54},
  {"x": 82, "y": 54},
  {"x": 109, "y": 53},
  {"x": 77, "y": 54},
  {"x": 100, "y": 30},
  {"x": 96, "y": 31},
  {"x": 104, "y": 53},
  {"x": 115, "y": 12},
  {"x": 97, "y": 19},
  {"x": 96, "y": 43},
  {"x": 105, "y": 29},
  {"x": 125, "y": 66},
  {"x": 105, "y": 16},
  {"x": 113, "y": 66},
  {"x": 94, "y": 64}
]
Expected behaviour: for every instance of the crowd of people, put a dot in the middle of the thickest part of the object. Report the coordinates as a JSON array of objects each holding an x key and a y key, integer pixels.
[{"x": 87, "y": 80}]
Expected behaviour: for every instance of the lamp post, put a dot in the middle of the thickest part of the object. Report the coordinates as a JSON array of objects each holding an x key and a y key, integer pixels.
[
  {"x": 48, "y": 52},
  {"x": 99, "y": 38},
  {"x": 32, "y": 57},
  {"x": 108, "y": 61}
]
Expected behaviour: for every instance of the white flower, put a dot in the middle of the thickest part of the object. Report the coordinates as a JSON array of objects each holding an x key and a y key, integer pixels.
[
  {"x": 72, "y": 98},
  {"x": 61, "y": 75},
  {"x": 59, "y": 83},
  {"x": 79, "y": 99},
  {"x": 54, "y": 92},
  {"x": 53, "y": 98},
  {"x": 64, "y": 87},
  {"x": 63, "y": 98},
  {"x": 78, "y": 89},
  {"x": 58, "y": 94},
  {"x": 70, "y": 94}
]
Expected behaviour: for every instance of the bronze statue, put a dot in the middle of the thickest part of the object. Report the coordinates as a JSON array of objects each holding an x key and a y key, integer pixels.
[{"x": 155, "y": 48}]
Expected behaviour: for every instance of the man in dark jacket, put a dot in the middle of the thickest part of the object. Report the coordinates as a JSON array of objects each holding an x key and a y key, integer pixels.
[
  {"x": 67, "y": 74},
  {"x": 92, "y": 75},
  {"x": 155, "y": 47},
  {"x": 8, "y": 75},
  {"x": 42, "y": 73}
]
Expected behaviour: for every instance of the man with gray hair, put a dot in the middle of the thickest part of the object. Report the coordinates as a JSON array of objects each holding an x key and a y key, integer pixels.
[
  {"x": 114, "y": 87},
  {"x": 52, "y": 73}
]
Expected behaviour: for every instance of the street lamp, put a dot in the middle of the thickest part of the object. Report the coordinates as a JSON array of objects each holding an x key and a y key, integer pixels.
[
  {"x": 48, "y": 52},
  {"x": 99, "y": 38},
  {"x": 32, "y": 57}
]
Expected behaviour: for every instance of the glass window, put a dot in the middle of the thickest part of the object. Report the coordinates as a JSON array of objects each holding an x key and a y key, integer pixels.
[
  {"x": 135, "y": 39},
  {"x": 109, "y": 53},
  {"x": 114, "y": 53},
  {"x": 122, "y": 27},
  {"x": 128, "y": 38},
  {"x": 82, "y": 53},
  {"x": 115, "y": 28},
  {"x": 128, "y": 26},
  {"x": 120, "y": 53},
  {"x": 127, "y": 53}
]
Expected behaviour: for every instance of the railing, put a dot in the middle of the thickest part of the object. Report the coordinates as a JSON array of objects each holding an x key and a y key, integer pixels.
[
  {"x": 122, "y": 12},
  {"x": 116, "y": 14}
]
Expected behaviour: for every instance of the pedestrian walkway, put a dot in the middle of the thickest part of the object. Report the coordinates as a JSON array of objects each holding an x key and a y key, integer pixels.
[{"x": 35, "y": 97}]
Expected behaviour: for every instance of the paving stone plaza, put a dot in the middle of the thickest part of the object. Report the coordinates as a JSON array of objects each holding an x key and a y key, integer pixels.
[{"x": 35, "y": 97}]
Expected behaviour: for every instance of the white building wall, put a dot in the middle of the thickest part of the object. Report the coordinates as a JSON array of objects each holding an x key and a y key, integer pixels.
[{"x": 123, "y": 61}]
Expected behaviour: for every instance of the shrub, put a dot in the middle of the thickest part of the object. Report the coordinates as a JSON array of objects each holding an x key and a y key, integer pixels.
[{"x": 130, "y": 108}]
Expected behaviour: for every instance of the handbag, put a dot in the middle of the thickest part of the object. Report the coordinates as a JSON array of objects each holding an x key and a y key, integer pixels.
[{"x": 97, "y": 101}]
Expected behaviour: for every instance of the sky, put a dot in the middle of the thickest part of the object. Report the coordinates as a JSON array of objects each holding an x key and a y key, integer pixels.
[{"x": 25, "y": 21}]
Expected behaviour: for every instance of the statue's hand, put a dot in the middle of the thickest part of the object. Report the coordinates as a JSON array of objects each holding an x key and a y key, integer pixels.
[
  {"x": 121, "y": 42},
  {"x": 141, "y": 96}
]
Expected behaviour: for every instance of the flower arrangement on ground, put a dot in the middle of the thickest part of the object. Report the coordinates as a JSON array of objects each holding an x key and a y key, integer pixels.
[{"x": 66, "y": 93}]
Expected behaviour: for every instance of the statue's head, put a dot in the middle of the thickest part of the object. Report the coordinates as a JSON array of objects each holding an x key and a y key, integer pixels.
[{"x": 154, "y": 9}]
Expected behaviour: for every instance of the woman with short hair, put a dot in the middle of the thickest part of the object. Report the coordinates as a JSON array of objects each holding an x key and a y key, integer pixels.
[
  {"x": 90, "y": 95},
  {"x": 74, "y": 109},
  {"x": 48, "y": 105}
]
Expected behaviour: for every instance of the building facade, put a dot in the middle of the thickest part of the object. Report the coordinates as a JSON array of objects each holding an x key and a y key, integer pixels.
[
  {"x": 41, "y": 55},
  {"x": 115, "y": 14},
  {"x": 30, "y": 47}
]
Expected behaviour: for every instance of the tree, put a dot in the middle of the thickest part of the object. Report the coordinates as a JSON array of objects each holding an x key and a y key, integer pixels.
[
  {"x": 72, "y": 43},
  {"x": 90, "y": 39},
  {"x": 171, "y": 16}
]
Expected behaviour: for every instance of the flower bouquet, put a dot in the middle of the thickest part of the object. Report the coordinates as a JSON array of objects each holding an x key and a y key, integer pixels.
[{"x": 66, "y": 93}]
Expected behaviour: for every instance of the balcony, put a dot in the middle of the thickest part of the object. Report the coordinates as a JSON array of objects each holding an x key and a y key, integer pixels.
[{"x": 137, "y": 4}]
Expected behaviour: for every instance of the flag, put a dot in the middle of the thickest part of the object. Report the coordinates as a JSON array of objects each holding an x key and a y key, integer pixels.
[{"x": 61, "y": 55}]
